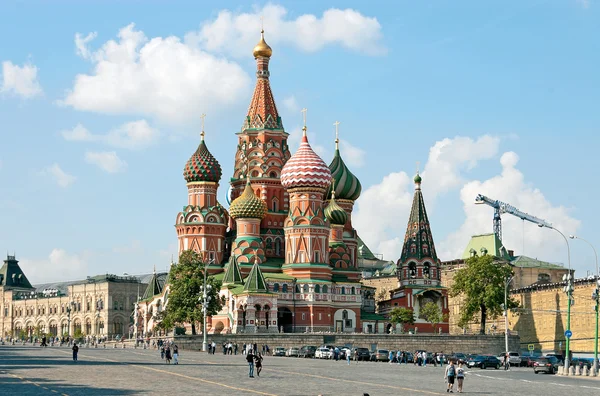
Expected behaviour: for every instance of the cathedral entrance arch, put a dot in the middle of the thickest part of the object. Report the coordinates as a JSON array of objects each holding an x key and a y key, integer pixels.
[{"x": 285, "y": 319}]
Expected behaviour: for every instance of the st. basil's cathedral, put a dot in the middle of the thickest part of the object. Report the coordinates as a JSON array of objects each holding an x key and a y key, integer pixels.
[{"x": 286, "y": 251}]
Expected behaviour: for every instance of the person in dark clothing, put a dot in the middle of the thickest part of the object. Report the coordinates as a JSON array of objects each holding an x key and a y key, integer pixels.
[
  {"x": 258, "y": 363},
  {"x": 250, "y": 360},
  {"x": 235, "y": 349},
  {"x": 168, "y": 355},
  {"x": 255, "y": 348},
  {"x": 75, "y": 352},
  {"x": 43, "y": 344}
]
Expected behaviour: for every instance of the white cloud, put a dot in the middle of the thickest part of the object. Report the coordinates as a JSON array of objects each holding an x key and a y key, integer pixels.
[
  {"x": 61, "y": 178},
  {"x": 158, "y": 77},
  {"x": 291, "y": 104},
  {"x": 510, "y": 186},
  {"x": 237, "y": 33},
  {"x": 352, "y": 155},
  {"x": 389, "y": 201},
  {"x": 448, "y": 157},
  {"x": 20, "y": 80},
  {"x": 133, "y": 135},
  {"x": 108, "y": 161},
  {"x": 81, "y": 44},
  {"x": 58, "y": 263}
]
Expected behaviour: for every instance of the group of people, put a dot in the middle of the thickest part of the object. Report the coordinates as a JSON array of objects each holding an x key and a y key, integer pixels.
[
  {"x": 454, "y": 372},
  {"x": 168, "y": 351}
]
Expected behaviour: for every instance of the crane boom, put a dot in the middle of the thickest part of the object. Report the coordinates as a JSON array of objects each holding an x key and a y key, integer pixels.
[{"x": 502, "y": 207}]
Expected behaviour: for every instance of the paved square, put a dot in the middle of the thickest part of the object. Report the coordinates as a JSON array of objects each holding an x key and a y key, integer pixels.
[{"x": 50, "y": 371}]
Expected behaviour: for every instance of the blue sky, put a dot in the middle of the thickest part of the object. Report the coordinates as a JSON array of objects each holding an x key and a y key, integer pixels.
[{"x": 493, "y": 97}]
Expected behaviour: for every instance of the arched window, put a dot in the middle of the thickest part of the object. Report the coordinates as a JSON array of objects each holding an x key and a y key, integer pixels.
[
  {"x": 317, "y": 289},
  {"x": 325, "y": 289},
  {"x": 297, "y": 289},
  {"x": 284, "y": 288},
  {"x": 277, "y": 247},
  {"x": 276, "y": 287},
  {"x": 305, "y": 288},
  {"x": 426, "y": 271},
  {"x": 353, "y": 290},
  {"x": 343, "y": 290},
  {"x": 344, "y": 314},
  {"x": 412, "y": 270}
]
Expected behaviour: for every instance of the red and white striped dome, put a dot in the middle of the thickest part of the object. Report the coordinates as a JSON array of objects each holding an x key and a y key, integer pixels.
[{"x": 305, "y": 169}]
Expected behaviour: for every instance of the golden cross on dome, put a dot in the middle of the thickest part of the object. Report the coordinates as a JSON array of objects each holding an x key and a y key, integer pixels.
[
  {"x": 202, "y": 133},
  {"x": 303, "y": 111},
  {"x": 262, "y": 24},
  {"x": 418, "y": 164},
  {"x": 337, "y": 140}
]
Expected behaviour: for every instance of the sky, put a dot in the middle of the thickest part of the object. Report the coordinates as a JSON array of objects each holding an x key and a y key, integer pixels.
[{"x": 100, "y": 105}]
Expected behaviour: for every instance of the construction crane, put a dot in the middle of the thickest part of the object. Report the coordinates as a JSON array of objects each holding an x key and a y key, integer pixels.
[{"x": 502, "y": 207}]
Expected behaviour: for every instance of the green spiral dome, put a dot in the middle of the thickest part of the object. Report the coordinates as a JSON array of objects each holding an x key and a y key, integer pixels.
[
  {"x": 335, "y": 213},
  {"x": 347, "y": 186},
  {"x": 202, "y": 166}
]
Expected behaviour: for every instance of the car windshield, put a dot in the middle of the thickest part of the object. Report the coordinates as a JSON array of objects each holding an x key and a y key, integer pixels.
[{"x": 513, "y": 354}]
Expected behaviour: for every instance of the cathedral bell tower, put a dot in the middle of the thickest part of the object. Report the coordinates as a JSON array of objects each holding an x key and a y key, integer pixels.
[{"x": 262, "y": 152}]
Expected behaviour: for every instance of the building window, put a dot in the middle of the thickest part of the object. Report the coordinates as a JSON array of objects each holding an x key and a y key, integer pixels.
[
  {"x": 324, "y": 288},
  {"x": 343, "y": 290},
  {"x": 305, "y": 288},
  {"x": 319, "y": 315},
  {"x": 277, "y": 247},
  {"x": 284, "y": 288},
  {"x": 303, "y": 316},
  {"x": 353, "y": 290},
  {"x": 317, "y": 256},
  {"x": 317, "y": 289},
  {"x": 275, "y": 205},
  {"x": 276, "y": 287}
]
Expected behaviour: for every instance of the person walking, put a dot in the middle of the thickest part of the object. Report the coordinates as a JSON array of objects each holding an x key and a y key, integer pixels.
[
  {"x": 214, "y": 347},
  {"x": 162, "y": 352},
  {"x": 75, "y": 351},
  {"x": 348, "y": 356},
  {"x": 460, "y": 377},
  {"x": 168, "y": 355},
  {"x": 449, "y": 375},
  {"x": 258, "y": 363},
  {"x": 399, "y": 357},
  {"x": 175, "y": 354},
  {"x": 235, "y": 349},
  {"x": 506, "y": 361},
  {"x": 250, "y": 360},
  {"x": 356, "y": 356}
]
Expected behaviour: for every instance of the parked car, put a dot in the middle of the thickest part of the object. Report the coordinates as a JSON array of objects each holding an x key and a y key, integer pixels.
[
  {"x": 582, "y": 362},
  {"x": 484, "y": 361},
  {"x": 529, "y": 361},
  {"x": 307, "y": 351},
  {"x": 380, "y": 355},
  {"x": 458, "y": 356},
  {"x": 292, "y": 352},
  {"x": 514, "y": 358},
  {"x": 559, "y": 356},
  {"x": 361, "y": 354},
  {"x": 279, "y": 351},
  {"x": 548, "y": 364},
  {"x": 342, "y": 352},
  {"x": 323, "y": 353}
]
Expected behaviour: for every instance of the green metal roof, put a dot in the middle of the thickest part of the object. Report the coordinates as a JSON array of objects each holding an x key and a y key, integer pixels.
[
  {"x": 369, "y": 316},
  {"x": 363, "y": 250},
  {"x": 11, "y": 275},
  {"x": 232, "y": 273},
  {"x": 269, "y": 275},
  {"x": 154, "y": 287},
  {"x": 490, "y": 242},
  {"x": 528, "y": 262},
  {"x": 255, "y": 282}
]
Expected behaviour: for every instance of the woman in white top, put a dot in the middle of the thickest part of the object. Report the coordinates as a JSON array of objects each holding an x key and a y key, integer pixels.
[{"x": 460, "y": 376}]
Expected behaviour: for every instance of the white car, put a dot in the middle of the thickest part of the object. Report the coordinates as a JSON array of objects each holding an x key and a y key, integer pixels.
[
  {"x": 514, "y": 359},
  {"x": 323, "y": 353}
]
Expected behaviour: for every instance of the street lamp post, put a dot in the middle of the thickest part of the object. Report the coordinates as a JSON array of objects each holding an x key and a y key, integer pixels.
[
  {"x": 205, "y": 298},
  {"x": 569, "y": 290},
  {"x": 595, "y": 297},
  {"x": 508, "y": 280}
]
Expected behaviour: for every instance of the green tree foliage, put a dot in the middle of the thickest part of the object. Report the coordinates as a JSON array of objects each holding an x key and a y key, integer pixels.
[
  {"x": 432, "y": 313},
  {"x": 185, "y": 281},
  {"x": 78, "y": 334},
  {"x": 481, "y": 284},
  {"x": 402, "y": 315}
]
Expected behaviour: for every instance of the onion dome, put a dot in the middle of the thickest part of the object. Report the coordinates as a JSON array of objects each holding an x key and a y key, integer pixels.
[
  {"x": 248, "y": 205},
  {"x": 347, "y": 186},
  {"x": 305, "y": 168},
  {"x": 202, "y": 166},
  {"x": 334, "y": 212},
  {"x": 262, "y": 49},
  {"x": 417, "y": 179}
]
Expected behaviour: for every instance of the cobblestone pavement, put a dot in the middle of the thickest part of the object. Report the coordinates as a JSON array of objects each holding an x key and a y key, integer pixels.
[{"x": 27, "y": 370}]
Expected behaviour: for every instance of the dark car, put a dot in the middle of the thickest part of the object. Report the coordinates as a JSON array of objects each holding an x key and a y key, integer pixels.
[
  {"x": 361, "y": 354},
  {"x": 484, "y": 362},
  {"x": 582, "y": 362},
  {"x": 548, "y": 364},
  {"x": 307, "y": 351}
]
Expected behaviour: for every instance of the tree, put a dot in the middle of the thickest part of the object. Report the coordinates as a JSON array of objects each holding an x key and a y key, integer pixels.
[
  {"x": 481, "y": 284},
  {"x": 185, "y": 281},
  {"x": 432, "y": 313},
  {"x": 402, "y": 315}
]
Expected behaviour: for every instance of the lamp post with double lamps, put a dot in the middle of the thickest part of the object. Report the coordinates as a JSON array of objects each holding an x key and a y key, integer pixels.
[
  {"x": 205, "y": 299},
  {"x": 568, "y": 289},
  {"x": 595, "y": 297},
  {"x": 505, "y": 307}
]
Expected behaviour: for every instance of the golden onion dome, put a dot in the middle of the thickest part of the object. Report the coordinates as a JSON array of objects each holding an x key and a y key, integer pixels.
[
  {"x": 262, "y": 49},
  {"x": 248, "y": 205}
]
